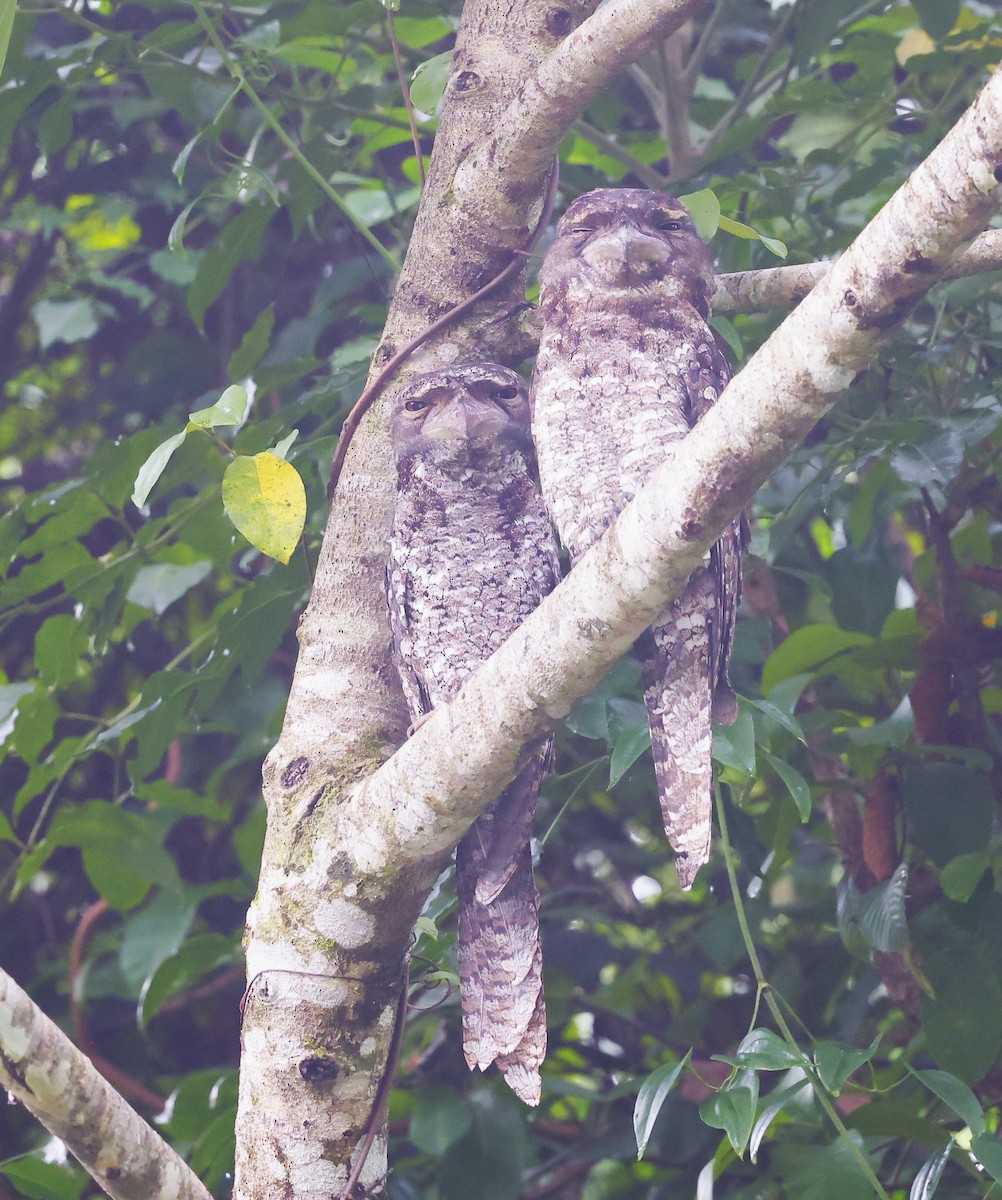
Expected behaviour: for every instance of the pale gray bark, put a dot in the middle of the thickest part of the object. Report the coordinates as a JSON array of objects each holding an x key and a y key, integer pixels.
[
  {"x": 40, "y": 1067},
  {"x": 780, "y": 287},
  {"x": 326, "y": 942}
]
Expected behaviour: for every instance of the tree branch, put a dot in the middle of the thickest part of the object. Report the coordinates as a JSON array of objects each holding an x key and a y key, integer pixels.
[
  {"x": 779, "y": 287},
  {"x": 565, "y": 83},
  {"x": 42, "y": 1068}
]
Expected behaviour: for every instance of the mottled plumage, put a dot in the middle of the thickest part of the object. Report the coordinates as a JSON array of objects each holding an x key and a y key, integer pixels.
[
  {"x": 627, "y": 365},
  {"x": 471, "y": 555}
]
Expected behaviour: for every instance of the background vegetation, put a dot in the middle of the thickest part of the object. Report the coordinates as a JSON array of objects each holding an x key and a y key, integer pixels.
[{"x": 199, "y": 196}]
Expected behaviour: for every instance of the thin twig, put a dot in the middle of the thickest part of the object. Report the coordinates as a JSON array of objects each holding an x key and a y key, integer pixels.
[
  {"x": 405, "y": 91},
  {"x": 608, "y": 145},
  {"x": 276, "y": 127}
]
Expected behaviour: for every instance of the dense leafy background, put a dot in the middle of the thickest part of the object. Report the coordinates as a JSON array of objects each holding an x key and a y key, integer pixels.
[{"x": 163, "y": 239}]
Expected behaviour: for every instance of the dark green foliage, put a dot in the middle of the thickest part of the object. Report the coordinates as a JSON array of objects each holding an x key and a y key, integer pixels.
[{"x": 161, "y": 241}]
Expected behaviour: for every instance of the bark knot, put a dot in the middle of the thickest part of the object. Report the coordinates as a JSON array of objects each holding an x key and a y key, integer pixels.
[
  {"x": 294, "y": 771},
  {"x": 559, "y": 21}
]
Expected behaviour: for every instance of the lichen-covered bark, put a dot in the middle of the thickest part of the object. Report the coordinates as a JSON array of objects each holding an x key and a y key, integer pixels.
[
  {"x": 327, "y": 936},
  {"x": 40, "y": 1067},
  {"x": 780, "y": 287}
]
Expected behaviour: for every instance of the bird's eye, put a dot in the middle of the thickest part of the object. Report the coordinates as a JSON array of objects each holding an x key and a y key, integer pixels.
[
  {"x": 417, "y": 405},
  {"x": 668, "y": 224},
  {"x": 582, "y": 229},
  {"x": 506, "y": 393}
]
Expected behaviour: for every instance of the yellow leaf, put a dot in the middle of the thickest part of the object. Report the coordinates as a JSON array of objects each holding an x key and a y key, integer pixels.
[
  {"x": 915, "y": 41},
  {"x": 265, "y": 499}
]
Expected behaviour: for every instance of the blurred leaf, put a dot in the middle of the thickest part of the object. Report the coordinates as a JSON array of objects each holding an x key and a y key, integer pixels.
[
  {"x": 229, "y": 409},
  {"x": 44, "y": 1181},
  {"x": 198, "y": 957},
  {"x": 65, "y": 320},
  {"x": 654, "y": 1091},
  {"x": 962, "y": 874},
  {"x": 160, "y": 585},
  {"x": 987, "y": 1149},
  {"x": 957, "y": 1095},
  {"x": 938, "y": 17},
  {"x": 928, "y": 1176},
  {"x": 950, "y": 810},
  {"x": 796, "y": 785},
  {"x": 807, "y": 649},
  {"x": 428, "y": 82},
  {"x": 440, "y": 1117},
  {"x": 734, "y": 745},
  {"x": 630, "y": 745},
  {"x": 154, "y": 467}
]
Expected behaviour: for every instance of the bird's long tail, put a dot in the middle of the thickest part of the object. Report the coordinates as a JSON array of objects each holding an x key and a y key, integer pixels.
[
  {"x": 678, "y": 679},
  {"x": 500, "y": 959}
]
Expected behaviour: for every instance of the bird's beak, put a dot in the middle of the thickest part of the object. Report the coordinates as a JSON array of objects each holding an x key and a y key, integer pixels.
[
  {"x": 627, "y": 251},
  {"x": 463, "y": 419}
]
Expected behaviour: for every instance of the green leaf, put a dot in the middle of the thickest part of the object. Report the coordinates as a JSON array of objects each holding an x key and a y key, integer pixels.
[
  {"x": 783, "y": 718},
  {"x": 835, "y": 1063},
  {"x": 154, "y": 467},
  {"x": 39, "y": 1180},
  {"x": 796, "y": 784},
  {"x": 265, "y": 499},
  {"x": 240, "y": 241},
  {"x": 159, "y": 585},
  {"x": 630, "y": 745},
  {"x": 65, "y": 321},
  {"x": 253, "y": 344},
  {"x": 281, "y": 449},
  {"x": 808, "y": 649},
  {"x": 59, "y": 645},
  {"x": 153, "y": 934},
  {"x": 988, "y": 1151},
  {"x": 739, "y": 229},
  {"x": 928, "y": 1176},
  {"x": 229, "y": 409},
  {"x": 441, "y": 1117},
  {"x": 654, "y": 1091},
  {"x": 428, "y": 82},
  {"x": 734, "y": 745},
  {"x": 198, "y": 956},
  {"x": 938, "y": 17},
  {"x": 961, "y": 875},
  {"x": 882, "y": 917},
  {"x": 7, "y": 9},
  {"x": 957, "y": 1095},
  {"x": 950, "y": 810},
  {"x": 704, "y": 208},
  {"x": 772, "y": 1106},
  {"x": 763, "y": 1050},
  {"x": 732, "y": 1109}
]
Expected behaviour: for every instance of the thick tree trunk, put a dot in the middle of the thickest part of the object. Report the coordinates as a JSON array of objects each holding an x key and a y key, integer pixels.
[{"x": 327, "y": 936}]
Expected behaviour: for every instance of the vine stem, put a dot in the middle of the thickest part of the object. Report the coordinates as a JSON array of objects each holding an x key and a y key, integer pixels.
[
  {"x": 276, "y": 127},
  {"x": 765, "y": 990}
]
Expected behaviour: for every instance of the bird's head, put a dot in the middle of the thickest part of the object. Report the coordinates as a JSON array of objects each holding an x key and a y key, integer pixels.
[
  {"x": 626, "y": 240},
  {"x": 448, "y": 413}
]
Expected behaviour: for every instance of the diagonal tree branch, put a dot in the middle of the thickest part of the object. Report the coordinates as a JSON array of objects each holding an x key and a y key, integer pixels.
[
  {"x": 42, "y": 1068},
  {"x": 780, "y": 287}
]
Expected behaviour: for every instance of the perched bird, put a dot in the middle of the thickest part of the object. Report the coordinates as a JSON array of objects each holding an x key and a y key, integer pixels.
[
  {"x": 627, "y": 365},
  {"x": 472, "y": 553}
]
